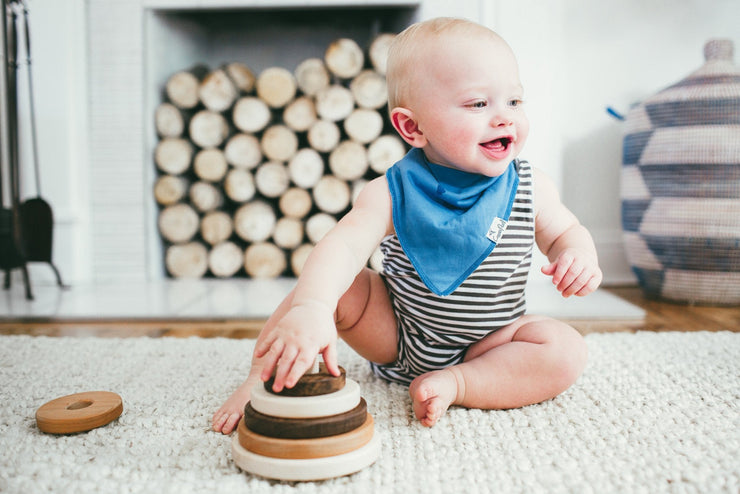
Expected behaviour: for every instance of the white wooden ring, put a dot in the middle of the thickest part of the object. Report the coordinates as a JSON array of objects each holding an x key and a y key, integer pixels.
[
  {"x": 306, "y": 469},
  {"x": 305, "y": 407}
]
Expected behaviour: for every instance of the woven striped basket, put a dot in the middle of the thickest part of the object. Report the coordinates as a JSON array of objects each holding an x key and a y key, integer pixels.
[{"x": 681, "y": 185}]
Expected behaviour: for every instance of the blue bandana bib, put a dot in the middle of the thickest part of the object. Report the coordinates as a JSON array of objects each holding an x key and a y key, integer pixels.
[{"x": 448, "y": 221}]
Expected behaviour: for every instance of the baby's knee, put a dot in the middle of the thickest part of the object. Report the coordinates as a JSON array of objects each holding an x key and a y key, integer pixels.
[
  {"x": 569, "y": 354},
  {"x": 563, "y": 349}
]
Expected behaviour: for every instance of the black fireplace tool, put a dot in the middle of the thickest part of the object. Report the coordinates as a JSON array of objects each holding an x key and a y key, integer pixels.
[
  {"x": 33, "y": 221},
  {"x": 11, "y": 255}
]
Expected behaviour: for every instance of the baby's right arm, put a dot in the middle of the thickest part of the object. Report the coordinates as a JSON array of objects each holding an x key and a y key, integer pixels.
[{"x": 308, "y": 328}]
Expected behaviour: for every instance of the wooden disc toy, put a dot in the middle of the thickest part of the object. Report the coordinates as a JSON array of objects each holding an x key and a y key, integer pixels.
[
  {"x": 306, "y": 469},
  {"x": 296, "y": 407},
  {"x": 318, "y": 447},
  {"x": 330, "y": 425},
  {"x": 319, "y": 383},
  {"x": 79, "y": 412}
]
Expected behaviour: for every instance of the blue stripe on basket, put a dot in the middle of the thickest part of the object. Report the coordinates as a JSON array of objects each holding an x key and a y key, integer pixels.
[
  {"x": 633, "y": 145},
  {"x": 651, "y": 281},
  {"x": 695, "y": 112},
  {"x": 696, "y": 254},
  {"x": 692, "y": 180},
  {"x": 632, "y": 213}
]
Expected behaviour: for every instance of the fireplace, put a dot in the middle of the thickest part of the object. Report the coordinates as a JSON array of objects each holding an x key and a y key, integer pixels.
[{"x": 135, "y": 46}]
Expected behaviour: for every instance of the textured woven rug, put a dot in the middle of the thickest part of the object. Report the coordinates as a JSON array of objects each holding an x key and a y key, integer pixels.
[{"x": 653, "y": 412}]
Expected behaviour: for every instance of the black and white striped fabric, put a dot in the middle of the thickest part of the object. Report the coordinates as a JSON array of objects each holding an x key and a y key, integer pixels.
[{"x": 435, "y": 331}]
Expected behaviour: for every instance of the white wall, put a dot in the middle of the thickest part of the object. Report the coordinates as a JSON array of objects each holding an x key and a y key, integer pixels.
[
  {"x": 576, "y": 56},
  {"x": 618, "y": 53},
  {"x": 579, "y": 56}
]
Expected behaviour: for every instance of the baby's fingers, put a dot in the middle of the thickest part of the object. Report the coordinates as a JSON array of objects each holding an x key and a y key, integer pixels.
[
  {"x": 559, "y": 269},
  {"x": 284, "y": 367},
  {"x": 270, "y": 358},
  {"x": 302, "y": 363},
  {"x": 591, "y": 285},
  {"x": 330, "y": 359},
  {"x": 574, "y": 285}
]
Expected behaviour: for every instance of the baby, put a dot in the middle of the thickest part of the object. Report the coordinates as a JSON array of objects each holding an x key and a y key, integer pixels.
[{"x": 456, "y": 220}]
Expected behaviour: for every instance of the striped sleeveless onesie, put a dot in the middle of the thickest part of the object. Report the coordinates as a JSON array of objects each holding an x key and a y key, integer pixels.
[{"x": 435, "y": 331}]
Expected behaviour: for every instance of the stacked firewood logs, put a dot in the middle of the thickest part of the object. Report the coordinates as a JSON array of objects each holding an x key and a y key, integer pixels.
[{"x": 254, "y": 170}]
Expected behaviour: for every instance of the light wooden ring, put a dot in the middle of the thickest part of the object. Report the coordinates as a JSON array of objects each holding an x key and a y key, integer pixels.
[
  {"x": 308, "y": 469},
  {"x": 299, "y": 449},
  {"x": 79, "y": 412},
  {"x": 304, "y": 407}
]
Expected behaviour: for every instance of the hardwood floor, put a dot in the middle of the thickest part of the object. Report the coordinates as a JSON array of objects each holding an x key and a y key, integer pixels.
[
  {"x": 663, "y": 316},
  {"x": 660, "y": 316}
]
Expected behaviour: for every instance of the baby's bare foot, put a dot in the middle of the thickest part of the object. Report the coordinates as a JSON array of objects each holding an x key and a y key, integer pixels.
[
  {"x": 227, "y": 417},
  {"x": 432, "y": 393}
]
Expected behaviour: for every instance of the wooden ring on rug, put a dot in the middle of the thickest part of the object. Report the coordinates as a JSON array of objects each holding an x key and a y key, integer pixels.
[
  {"x": 299, "y": 449},
  {"x": 284, "y": 428},
  {"x": 79, "y": 412},
  {"x": 319, "y": 383},
  {"x": 306, "y": 407},
  {"x": 308, "y": 469}
]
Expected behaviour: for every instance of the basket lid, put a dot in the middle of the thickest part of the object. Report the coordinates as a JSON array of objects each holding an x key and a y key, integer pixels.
[{"x": 708, "y": 96}]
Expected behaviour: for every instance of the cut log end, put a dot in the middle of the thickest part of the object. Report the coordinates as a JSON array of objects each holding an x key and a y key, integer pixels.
[
  {"x": 169, "y": 120},
  {"x": 217, "y": 91},
  {"x": 255, "y": 221},
  {"x": 378, "y": 52},
  {"x": 225, "y": 259},
  {"x": 187, "y": 260},
  {"x": 344, "y": 58},
  {"x": 264, "y": 260},
  {"x": 311, "y": 76},
  {"x": 242, "y": 76},
  {"x": 173, "y": 155},
  {"x": 178, "y": 223},
  {"x": 208, "y": 129},
  {"x": 276, "y": 86}
]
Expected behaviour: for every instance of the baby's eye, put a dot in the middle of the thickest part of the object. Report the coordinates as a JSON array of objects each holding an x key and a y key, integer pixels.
[
  {"x": 478, "y": 104},
  {"x": 516, "y": 102}
]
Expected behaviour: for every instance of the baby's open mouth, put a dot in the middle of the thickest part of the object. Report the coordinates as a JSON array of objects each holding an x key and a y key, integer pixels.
[{"x": 498, "y": 145}]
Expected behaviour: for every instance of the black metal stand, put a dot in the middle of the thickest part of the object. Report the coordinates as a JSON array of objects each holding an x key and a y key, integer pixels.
[{"x": 25, "y": 227}]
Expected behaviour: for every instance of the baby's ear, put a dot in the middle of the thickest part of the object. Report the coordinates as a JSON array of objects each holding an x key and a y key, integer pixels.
[{"x": 405, "y": 124}]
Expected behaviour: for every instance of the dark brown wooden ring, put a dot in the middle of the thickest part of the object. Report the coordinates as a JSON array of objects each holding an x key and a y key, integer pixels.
[
  {"x": 321, "y": 383},
  {"x": 283, "y": 428}
]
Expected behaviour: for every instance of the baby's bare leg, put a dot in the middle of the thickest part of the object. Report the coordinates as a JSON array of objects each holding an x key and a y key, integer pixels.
[
  {"x": 530, "y": 361},
  {"x": 227, "y": 417}
]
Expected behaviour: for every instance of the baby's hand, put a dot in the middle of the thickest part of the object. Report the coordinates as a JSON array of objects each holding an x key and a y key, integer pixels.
[
  {"x": 574, "y": 272},
  {"x": 291, "y": 347}
]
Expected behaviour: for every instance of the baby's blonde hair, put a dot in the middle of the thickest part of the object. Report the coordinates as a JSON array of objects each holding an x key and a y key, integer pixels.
[{"x": 403, "y": 50}]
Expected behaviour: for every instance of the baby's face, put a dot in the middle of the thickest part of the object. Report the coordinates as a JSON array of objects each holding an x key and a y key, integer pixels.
[{"x": 468, "y": 104}]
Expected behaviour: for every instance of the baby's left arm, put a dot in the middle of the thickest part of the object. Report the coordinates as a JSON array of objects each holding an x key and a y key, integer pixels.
[{"x": 574, "y": 265}]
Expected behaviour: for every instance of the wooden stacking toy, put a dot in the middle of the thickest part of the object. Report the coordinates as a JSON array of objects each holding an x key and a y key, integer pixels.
[
  {"x": 79, "y": 412},
  {"x": 318, "y": 429}
]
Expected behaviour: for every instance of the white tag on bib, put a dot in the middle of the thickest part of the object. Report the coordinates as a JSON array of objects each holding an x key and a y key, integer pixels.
[{"x": 496, "y": 230}]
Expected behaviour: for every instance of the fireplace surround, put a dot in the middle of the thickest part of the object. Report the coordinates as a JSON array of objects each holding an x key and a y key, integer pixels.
[{"x": 135, "y": 45}]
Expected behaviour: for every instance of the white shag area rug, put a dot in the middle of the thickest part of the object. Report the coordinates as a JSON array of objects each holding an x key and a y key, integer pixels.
[{"x": 653, "y": 412}]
